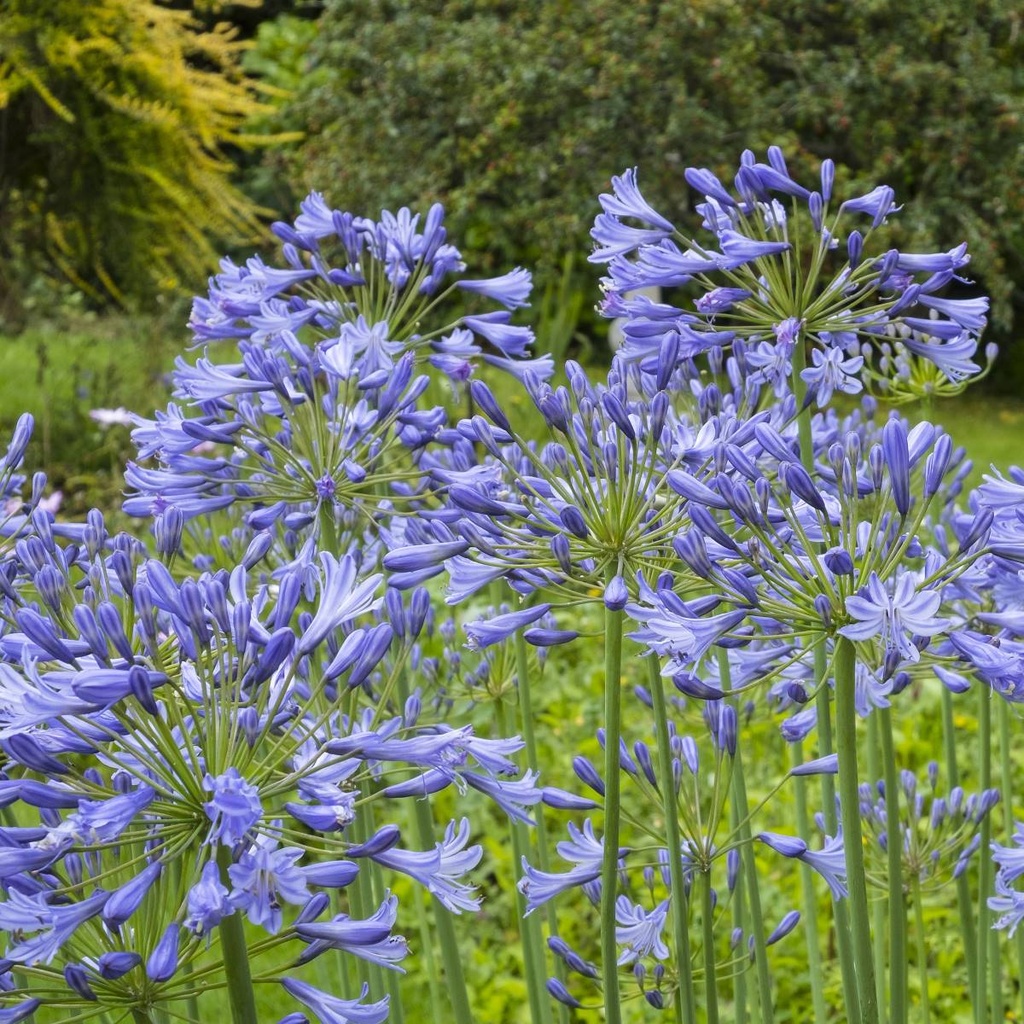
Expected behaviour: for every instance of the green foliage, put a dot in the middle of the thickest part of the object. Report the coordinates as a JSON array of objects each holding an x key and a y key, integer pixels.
[
  {"x": 279, "y": 62},
  {"x": 117, "y": 123},
  {"x": 516, "y": 115}
]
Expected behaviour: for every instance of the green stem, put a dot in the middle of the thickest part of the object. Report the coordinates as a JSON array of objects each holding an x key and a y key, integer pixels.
[
  {"x": 708, "y": 924},
  {"x": 739, "y": 921},
  {"x": 236, "y": 957},
  {"x": 922, "y": 949},
  {"x": 810, "y": 915},
  {"x": 878, "y": 907},
  {"x": 140, "y": 1016},
  {"x": 361, "y": 895},
  {"x": 965, "y": 908},
  {"x": 456, "y": 982},
  {"x": 529, "y": 925},
  {"x": 764, "y": 981},
  {"x": 894, "y": 850},
  {"x": 981, "y": 1012},
  {"x": 526, "y": 720},
  {"x": 429, "y": 960},
  {"x": 685, "y": 1002},
  {"x": 1006, "y": 778},
  {"x": 853, "y": 841},
  {"x": 612, "y": 777},
  {"x": 844, "y": 941}
]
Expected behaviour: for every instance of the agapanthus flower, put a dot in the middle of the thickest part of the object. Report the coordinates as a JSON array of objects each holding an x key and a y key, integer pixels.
[
  {"x": 897, "y": 617},
  {"x": 829, "y": 861},
  {"x": 848, "y": 295}
]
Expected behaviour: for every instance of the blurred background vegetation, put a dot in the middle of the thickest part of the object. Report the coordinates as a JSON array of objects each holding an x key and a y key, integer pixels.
[{"x": 141, "y": 140}]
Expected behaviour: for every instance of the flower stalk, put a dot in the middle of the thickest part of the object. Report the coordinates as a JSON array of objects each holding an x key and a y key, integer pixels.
[
  {"x": 612, "y": 811},
  {"x": 241, "y": 996},
  {"x": 685, "y": 1001},
  {"x": 853, "y": 843}
]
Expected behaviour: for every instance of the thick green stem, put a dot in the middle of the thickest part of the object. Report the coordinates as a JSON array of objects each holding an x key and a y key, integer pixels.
[
  {"x": 685, "y": 1002},
  {"x": 981, "y": 1010},
  {"x": 707, "y": 914},
  {"x": 612, "y": 776},
  {"x": 241, "y": 997},
  {"x": 922, "y": 950},
  {"x": 894, "y": 851},
  {"x": 140, "y": 1016},
  {"x": 853, "y": 841},
  {"x": 526, "y": 720},
  {"x": 764, "y": 980},
  {"x": 965, "y": 908},
  {"x": 810, "y": 914}
]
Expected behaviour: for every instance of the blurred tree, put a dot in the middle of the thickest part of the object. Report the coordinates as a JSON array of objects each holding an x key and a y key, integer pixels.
[{"x": 118, "y": 119}]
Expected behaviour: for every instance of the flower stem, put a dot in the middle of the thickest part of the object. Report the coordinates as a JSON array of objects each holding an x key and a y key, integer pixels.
[
  {"x": 981, "y": 1009},
  {"x": 739, "y": 920},
  {"x": 612, "y": 777},
  {"x": 526, "y": 719},
  {"x": 894, "y": 850},
  {"x": 922, "y": 949},
  {"x": 241, "y": 997},
  {"x": 1006, "y": 778},
  {"x": 685, "y": 1001},
  {"x": 529, "y": 925},
  {"x": 878, "y": 907},
  {"x": 764, "y": 981},
  {"x": 707, "y": 913},
  {"x": 853, "y": 842},
  {"x": 810, "y": 914},
  {"x": 805, "y": 441},
  {"x": 455, "y": 980},
  {"x": 844, "y": 941},
  {"x": 963, "y": 893}
]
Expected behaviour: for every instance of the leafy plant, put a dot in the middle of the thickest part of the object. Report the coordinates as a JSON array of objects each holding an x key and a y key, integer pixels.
[{"x": 118, "y": 121}]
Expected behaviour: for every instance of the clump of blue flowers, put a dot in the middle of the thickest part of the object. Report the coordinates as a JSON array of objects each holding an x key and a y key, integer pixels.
[{"x": 237, "y": 751}]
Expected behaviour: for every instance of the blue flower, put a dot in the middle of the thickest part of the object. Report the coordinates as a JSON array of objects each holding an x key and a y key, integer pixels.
[
  {"x": 1009, "y": 903},
  {"x": 895, "y": 618},
  {"x": 332, "y": 1010},
  {"x": 264, "y": 876},
  {"x": 439, "y": 869},
  {"x": 369, "y": 939},
  {"x": 829, "y": 861},
  {"x": 234, "y": 809},
  {"x": 640, "y": 931},
  {"x": 207, "y": 901},
  {"x": 584, "y": 850}
]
